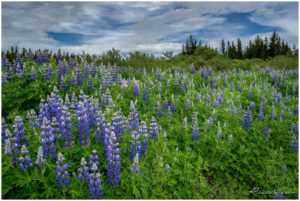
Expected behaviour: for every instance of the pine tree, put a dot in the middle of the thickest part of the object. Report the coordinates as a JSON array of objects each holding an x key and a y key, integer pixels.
[
  {"x": 223, "y": 47},
  {"x": 272, "y": 45},
  {"x": 239, "y": 49}
]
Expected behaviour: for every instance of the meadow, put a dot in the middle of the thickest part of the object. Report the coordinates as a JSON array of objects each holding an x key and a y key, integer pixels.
[{"x": 226, "y": 129}]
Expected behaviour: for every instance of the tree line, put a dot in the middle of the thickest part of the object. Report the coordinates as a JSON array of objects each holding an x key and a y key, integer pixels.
[{"x": 259, "y": 48}]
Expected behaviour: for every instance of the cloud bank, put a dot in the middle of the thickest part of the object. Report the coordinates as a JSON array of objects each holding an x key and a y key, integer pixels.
[{"x": 150, "y": 27}]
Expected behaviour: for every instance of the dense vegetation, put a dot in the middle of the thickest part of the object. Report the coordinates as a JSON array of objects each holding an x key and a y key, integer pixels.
[
  {"x": 275, "y": 54},
  {"x": 77, "y": 127}
]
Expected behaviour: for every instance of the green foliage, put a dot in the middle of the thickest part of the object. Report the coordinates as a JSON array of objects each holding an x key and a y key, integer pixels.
[{"x": 209, "y": 168}]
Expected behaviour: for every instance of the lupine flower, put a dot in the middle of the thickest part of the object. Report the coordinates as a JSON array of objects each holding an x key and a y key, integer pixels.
[
  {"x": 55, "y": 129},
  {"x": 95, "y": 186},
  {"x": 135, "y": 165},
  {"x": 62, "y": 175},
  {"x": 230, "y": 138},
  {"x": 10, "y": 148},
  {"x": 62, "y": 84},
  {"x": 208, "y": 99},
  {"x": 193, "y": 70},
  {"x": 118, "y": 123},
  {"x": 153, "y": 129},
  {"x": 135, "y": 145},
  {"x": 3, "y": 128},
  {"x": 158, "y": 110},
  {"x": 173, "y": 106},
  {"x": 101, "y": 126},
  {"x": 266, "y": 132},
  {"x": 40, "y": 160},
  {"x": 157, "y": 74},
  {"x": 184, "y": 125},
  {"x": 144, "y": 134},
  {"x": 196, "y": 133},
  {"x": 252, "y": 106},
  {"x": 239, "y": 87},
  {"x": 182, "y": 87},
  {"x": 198, "y": 97},
  {"x": 187, "y": 104},
  {"x": 284, "y": 169},
  {"x": 47, "y": 139},
  {"x": 169, "y": 111},
  {"x": 73, "y": 79},
  {"x": 176, "y": 83},
  {"x": 263, "y": 99},
  {"x": 247, "y": 120},
  {"x": 83, "y": 171},
  {"x": 250, "y": 95},
  {"x": 4, "y": 78},
  {"x": 33, "y": 74},
  {"x": 296, "y": 110},
  {"x": 294, "y": 143},
  {"x": 166, "y": 104},
  {"x": 136, "y": 90},
  {"x": 216, "y": 103},
  {"x": 79, "y": 76},
  {"x": 91, "y": 84},
  {"x": 219, "y": 134},
  {"x": 44, "y": 111},
  {"x": 159, "y": 88},
  {"x": 24, "y": 160},
  {"x": 167, "y": 167},
  {"x": 86, "y": 71},
  {"x": 65, "y": 127},
  {"x": 274, "y": 116},
  {"x": 113, "y": 158},
  {"x": 32, "y": 117},
  {"x": 58, "y": 57},
  {"x": 146, "y": 96},
  {"x": 261, "y": 114},
  {"x": 168, "y": 84},
  {"x": 294, "y": 129},
  {"x": 94, "y": 159},
  {"x": 19, "y": 132},
  {"x": 83, "y": 124},
  {"x": 39, "y": 59}
]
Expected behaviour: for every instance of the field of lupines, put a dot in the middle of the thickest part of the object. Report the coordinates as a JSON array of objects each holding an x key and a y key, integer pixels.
[{"x": 79, "y": 131}]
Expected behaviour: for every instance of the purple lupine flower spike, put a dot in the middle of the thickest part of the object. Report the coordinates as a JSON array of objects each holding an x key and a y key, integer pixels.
[
  {"x": 135, "y": 165},
  {"x": 62, "y": 175},
  {"x": 83, "y": 171},
  {"x": 47, "y": 139},
  {"x": 136, "y": 90},
  {"x": 24, "y": 160},
  {"x": 19, "y": 132},
  {"x": 153, "y": 130},
  {"x": 40, "y": 160},
  {"x": 247, "y": 120},
  {"x": 196, "y": 134},
  {"x": 113, "y": 159}
]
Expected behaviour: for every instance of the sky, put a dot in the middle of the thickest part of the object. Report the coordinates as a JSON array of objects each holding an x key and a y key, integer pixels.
[{"x": 149, "y": 27}]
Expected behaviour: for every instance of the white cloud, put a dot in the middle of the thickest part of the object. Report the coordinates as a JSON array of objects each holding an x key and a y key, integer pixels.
[{"x": 141, "y": 26}]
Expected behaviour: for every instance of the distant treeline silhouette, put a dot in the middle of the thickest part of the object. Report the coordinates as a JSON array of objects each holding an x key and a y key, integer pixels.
[{"x": 259, "y": 48}]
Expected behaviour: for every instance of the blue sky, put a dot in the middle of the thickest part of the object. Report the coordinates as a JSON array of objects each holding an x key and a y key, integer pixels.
[{"x": 151, "y": 27}]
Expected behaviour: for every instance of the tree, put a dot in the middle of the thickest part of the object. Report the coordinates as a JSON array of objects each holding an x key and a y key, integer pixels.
[
  {"x": 223, "y": 47},
  {"x": 168, "y": 54},
  {"x": 239, "y": 49},
  {"x": 273, "y": 44}
]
